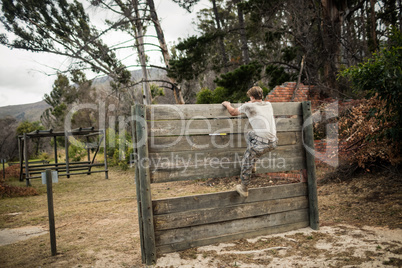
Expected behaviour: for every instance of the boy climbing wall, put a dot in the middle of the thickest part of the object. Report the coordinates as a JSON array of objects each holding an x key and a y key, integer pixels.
[{"x": 261, "y": 140}]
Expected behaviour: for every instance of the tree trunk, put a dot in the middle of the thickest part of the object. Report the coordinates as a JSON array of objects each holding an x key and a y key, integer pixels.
[
  {"x": 139, "y": 34},
  {"x": 243, "y": 37},
  {"x": 400, "y": 15},
  {"x": 373, "y": 26},
  {"x": 166, "y": 57},
  {"x": 221, "y": 43},
  {"x": 332, "y": 34}
]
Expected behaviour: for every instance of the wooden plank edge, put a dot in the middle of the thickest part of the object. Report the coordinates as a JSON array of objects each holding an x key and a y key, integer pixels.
[
  {"x": 214, "y": 200},
  {"x": 221, "y": 170},
  {"x": 163, "y": 249},
  {"x": 228, "y": 213}
]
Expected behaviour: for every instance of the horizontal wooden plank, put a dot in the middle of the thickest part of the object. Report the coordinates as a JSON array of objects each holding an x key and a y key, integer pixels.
[
  {"x": 213, "y": 126},
  {"x": 229, "y": 198},
  {"x": 227, "y": 213},
  {"x": 199, "y": 232},
  {"x": 219, "y": 169},
  {"x": 226, "y": 238},
  {"x": 180, "y": 112},
  {"x": 202, "y": 142},
  {"x": 207, "y": 157}
]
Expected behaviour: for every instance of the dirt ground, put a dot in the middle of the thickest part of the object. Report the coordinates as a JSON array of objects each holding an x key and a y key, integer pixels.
[{"x": 97, "y": 226}]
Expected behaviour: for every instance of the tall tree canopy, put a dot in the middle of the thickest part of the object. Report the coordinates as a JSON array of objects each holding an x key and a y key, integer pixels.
[
  {"x": 73, "y": 29},
  {"x": 326, "y": 35},
  {"x": 278, "y": 36}
]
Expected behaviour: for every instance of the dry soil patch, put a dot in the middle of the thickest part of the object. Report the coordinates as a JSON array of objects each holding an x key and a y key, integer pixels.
[{"x": 10, "y": 236}]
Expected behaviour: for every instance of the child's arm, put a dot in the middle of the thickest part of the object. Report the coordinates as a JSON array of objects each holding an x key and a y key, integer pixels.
[{"x": 233, "y": 111}]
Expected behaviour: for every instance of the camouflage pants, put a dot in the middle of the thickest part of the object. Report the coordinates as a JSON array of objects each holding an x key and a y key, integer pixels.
[{"x": 255, "y": 149}]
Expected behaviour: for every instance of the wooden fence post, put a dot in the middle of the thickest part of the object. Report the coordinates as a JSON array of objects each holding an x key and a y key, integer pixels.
[
  {"x": 52, "y": 228},
  {"x": 26, "y": 158},
  {"x": 137, "y": 181},
  {"x": 144, "y": 186},
  {"x": 105, "y": 153},
  {"x": 67, "y": 144},
  {"x": 308, "y": 140}
]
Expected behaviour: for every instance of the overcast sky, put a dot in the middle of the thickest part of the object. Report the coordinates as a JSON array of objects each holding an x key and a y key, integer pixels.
[{"x": 23, "y": 75}]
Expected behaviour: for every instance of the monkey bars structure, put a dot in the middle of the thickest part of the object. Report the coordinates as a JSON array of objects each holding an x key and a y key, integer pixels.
[{"x": 32, "y": 170}]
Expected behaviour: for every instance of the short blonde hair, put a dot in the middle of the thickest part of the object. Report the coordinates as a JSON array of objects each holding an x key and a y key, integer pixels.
[{"x": 255, "y": 92}]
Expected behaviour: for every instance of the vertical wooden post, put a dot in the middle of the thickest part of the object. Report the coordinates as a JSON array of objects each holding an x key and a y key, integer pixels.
[
  {"x": 308, "y": 141},
  {"x": 26, "y": 160},
  {"x": 52, "y": 227},
  {"x": 145, "y": 185},
  {"x": 21, "y": 156},
  {"x": 105, "y": 153},
  {"x": 137, "y": 181},
  {"x": 89, "y": 156},
  {"x": 55, "y": 153},
  {"x": 67, "y": 158}
]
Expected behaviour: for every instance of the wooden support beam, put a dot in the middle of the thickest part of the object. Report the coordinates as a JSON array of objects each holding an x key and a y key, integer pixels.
[
  {"x": 310, "y": 165},
  {"x": 26, "y": 157},
  {"x": 88, "y": 155},
  {"x": 137, "y": 181},
  {"x": 67, "y": 144},
  {"x": 145, "y": 186},
  {"x": 21, "y": 156},
  {"x": 55, "y": 150},
  {"x": 104, "y": 153}
]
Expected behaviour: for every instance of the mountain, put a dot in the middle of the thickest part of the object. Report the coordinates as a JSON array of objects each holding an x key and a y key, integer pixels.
[
  {"x": 33, "y": 111},
  {"x": 30, "y": 112}
]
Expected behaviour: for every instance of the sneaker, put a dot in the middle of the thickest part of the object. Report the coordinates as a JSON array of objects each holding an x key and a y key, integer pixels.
[
  {"x": 242, "y": 190},
  {"x": 254, "y": 169}
]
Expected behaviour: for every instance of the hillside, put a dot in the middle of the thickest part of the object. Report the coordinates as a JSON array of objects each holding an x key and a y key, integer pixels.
[
  {"x": 30, "y": 112},
  {"x": 33, "y": 111}
]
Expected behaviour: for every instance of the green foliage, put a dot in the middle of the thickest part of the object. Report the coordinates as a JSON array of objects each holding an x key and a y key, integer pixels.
[
  {"x": 207, "y": 96},
  {"x": 237, "y": 83},
  {"x": 278, "y": 75},
  {"x": 119, "y": 148},
  {"x": 381, "y": 76},
  {"x": 76, "y": 151},
  {"x": 63, "y": 96},
  {"x": 156, "y": 92},
  {"x": 44, "y": 156},
  {"x": 27, "y": 127},
  {"x": 191, "y": 59}
]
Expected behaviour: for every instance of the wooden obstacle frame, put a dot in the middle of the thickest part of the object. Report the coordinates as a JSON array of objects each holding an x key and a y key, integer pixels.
[
  {"x": 32, "y": 170},
  {"x": 189, "y": 142}
]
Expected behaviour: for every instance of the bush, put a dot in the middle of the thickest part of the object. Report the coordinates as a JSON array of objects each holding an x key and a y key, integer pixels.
[
  {"x": 76, "y": 151},
  {"x": 119, "y": 148},
  {"x": 381, "y": 77},
  {"x": 207, "y": 96},
  {"x": 362, "y": 128},
  {"x": 204, "y": 96},
  {"x": 14, "y": 191},
  {"x": 12, "y": 171}
]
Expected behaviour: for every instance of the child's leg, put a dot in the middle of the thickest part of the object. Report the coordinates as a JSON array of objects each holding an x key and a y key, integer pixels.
[
  {"x": 247, "y": 165},
  {"x": 255, "y": 149}
]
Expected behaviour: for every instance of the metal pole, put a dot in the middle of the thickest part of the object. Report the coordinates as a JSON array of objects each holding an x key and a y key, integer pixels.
[{"x": 52, "y": 228}]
